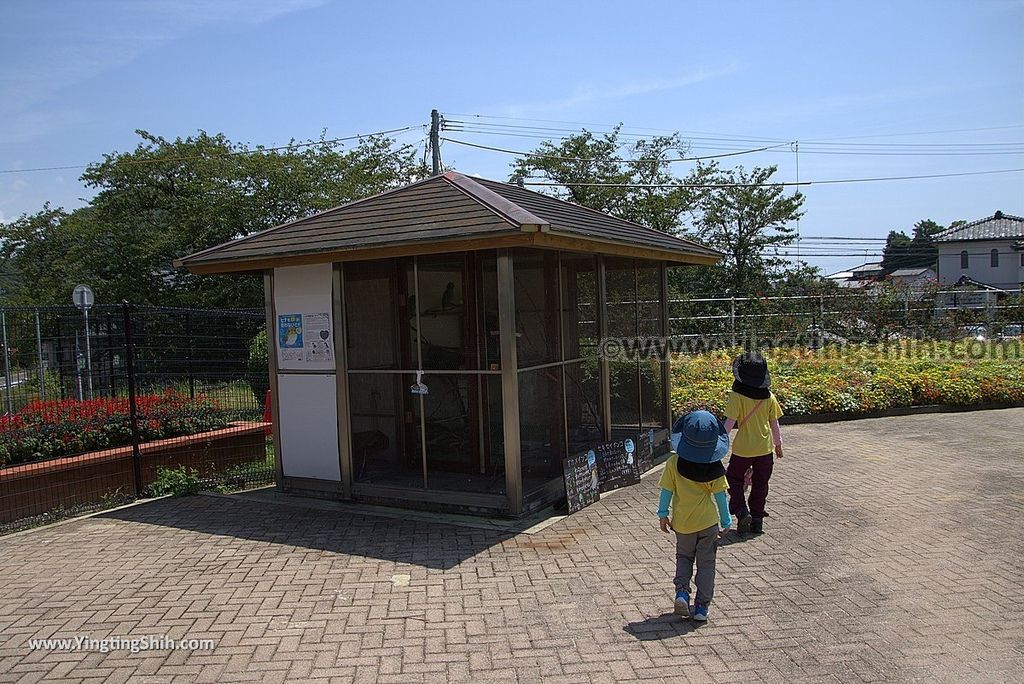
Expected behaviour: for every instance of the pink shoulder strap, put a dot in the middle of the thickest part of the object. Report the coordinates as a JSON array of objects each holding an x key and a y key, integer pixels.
[{"x": 752, "y": 412}]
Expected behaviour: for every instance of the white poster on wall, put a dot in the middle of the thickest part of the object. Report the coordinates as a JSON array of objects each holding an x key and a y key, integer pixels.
[
  {"x": 318, "y": 344},
  {"x": 305, "y": 339}
]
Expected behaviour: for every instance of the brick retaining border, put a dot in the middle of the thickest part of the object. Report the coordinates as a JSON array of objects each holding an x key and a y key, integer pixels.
[
  {"x": 33, "y": 489},
  {"x": 889, "y": 413}
]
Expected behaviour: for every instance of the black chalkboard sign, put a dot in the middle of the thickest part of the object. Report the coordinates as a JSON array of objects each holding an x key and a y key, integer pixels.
[
  {"x": 581, "y": 488},
  {"x": 662, "y": 445},
  {"x": 645, "y": 451},
  {"x": 616, "y": 464}
]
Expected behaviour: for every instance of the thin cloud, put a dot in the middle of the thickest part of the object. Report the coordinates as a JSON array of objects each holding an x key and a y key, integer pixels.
[
  {"x": 821, "y": 106},
  {"x": 588, "y": 94},
  {"x": 70, "y": 55}
]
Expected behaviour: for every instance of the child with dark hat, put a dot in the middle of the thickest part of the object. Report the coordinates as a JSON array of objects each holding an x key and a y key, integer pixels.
[
  {"x": 693, "y": 482},
  {"x": 755, "y": 412}
]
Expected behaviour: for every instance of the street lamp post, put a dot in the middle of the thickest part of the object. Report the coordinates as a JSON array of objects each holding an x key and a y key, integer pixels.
[{"x": 83, "y": 299}]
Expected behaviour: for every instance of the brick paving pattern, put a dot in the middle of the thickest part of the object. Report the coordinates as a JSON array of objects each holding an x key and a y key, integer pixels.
[{"x": 894, "y": 552}]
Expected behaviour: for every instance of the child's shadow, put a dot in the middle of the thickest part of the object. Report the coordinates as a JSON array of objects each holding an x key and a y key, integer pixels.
[
  {"x": 734, "y": 537},
  {"x": 664, "y": 626}
]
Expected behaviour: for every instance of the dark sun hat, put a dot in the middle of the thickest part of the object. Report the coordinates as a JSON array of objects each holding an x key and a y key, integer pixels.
[
  {"x": 699, "y": 437},
  {"x": 751, "y": 369}
]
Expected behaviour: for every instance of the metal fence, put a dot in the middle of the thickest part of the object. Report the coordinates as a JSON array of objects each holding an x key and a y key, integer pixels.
[
  {"x": 847, "y": 316},
  {"x": 110, "y": 404},
  {"x": 125, "y": 402}
]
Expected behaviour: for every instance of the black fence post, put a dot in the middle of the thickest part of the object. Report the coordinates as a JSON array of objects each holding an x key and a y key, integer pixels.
[
  {"x": 191, "y": 353},
  {"x": 129, "y": 353},
  {"x": 112, "y": 384}
]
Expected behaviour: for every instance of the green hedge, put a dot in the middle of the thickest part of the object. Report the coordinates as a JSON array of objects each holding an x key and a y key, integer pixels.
[{"x": 862, "y": 379}]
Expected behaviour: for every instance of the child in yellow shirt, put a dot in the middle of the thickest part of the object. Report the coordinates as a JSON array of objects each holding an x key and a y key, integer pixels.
[
  {"x": 755, "y": 411},
  {"x": 694, "y": 483}
]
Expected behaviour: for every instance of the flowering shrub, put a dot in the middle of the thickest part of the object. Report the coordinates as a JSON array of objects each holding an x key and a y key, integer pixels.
[
  {"x": 862, "y": 379},
  {"x": 50, "y": 429}
]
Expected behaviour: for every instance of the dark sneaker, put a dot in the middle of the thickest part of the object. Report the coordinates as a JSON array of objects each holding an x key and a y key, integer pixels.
[
  {"x": 682, "y": 604},
  {"x": 743, "y": 523},
  {"x": 757, "y": 525},
  {"x": 700, "y": 612}
]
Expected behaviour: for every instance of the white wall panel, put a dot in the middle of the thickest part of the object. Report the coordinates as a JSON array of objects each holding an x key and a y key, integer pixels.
[
  {"x": 309, "y": 426},
  {"x": 305, "y": 291}
]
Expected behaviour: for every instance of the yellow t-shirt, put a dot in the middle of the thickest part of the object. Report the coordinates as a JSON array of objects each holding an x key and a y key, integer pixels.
[
  {"x": 693, "y": 503},
  {"x": 754, "y": 436}
]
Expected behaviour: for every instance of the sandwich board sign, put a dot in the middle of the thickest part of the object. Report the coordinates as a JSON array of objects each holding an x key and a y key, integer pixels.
[
  {"x": 616, "y": 464},
  {"x": 581, "y": 487},
  {"x": 645, "y": 451}
]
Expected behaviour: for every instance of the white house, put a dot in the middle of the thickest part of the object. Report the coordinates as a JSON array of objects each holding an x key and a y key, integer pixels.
[
  {"x": 989, "y": 251},
  {"x": 919, "y": 277},
  {"x": 858, "y": 277}
]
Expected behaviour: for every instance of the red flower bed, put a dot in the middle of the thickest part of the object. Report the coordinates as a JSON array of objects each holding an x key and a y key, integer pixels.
[{"x": 51, "y": 429}]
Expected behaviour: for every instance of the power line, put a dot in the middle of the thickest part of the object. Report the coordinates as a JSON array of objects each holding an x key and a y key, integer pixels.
[
  {"x": 729, "y": 142},
  {"x": 546, "y": 132},
  {"x": 894, "y": 253},
  {"x": 260, "y": 150},
  {"x": 779, "y": 184},
  {"x": 948, "y": 130},
  {"x": 894, "y": 150},
  {"x": 720, "y": 136},
  {"x": 570, "y": 123},
  {"x": 590, "y": 159},
  {"x": 915, "y": 153}
]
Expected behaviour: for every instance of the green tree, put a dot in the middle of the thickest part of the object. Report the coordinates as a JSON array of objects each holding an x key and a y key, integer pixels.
[
  {"x": 639, "y": 185},
  {"x": 581, "y": 160},
  {"x": 746, "y": 216},
  {"x": 168, "y": 198},
  {"x": 897, "y": 251},
  {"x": 901, "y": 251},
  {"x": 39, "y": 257}
]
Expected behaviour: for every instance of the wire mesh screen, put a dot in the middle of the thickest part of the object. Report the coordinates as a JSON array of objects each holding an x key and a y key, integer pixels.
[
  {"x": 103, "y": 406},
  {"x": 871, "y": 316}
]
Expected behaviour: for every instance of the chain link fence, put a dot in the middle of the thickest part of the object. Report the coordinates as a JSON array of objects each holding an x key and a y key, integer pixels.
[
  {"x": 114, "y": 403},
  {"x": 872, "y": 316}
]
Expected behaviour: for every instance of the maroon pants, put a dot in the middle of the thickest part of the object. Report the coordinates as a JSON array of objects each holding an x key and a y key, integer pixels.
[{"x": 738, "y": 465}]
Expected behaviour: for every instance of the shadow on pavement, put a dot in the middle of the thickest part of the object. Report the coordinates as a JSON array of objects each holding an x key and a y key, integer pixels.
[
  {"x": 415, "y": 542},
  {"x": 664, "y": 626},
  {"x": 734, "y": 537}
]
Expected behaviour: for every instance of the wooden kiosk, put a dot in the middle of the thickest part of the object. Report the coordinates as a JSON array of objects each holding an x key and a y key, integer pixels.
[{"x": 439, "y": 345}]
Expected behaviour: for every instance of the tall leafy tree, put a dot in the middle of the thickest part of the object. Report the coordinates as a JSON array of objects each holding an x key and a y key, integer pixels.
[
  {"x": 748, "y": 217},
  {"x": 919, "y": 251},
  {"x": 647, "y": 191},
  {"x": 637, "y": 182},
  {"x": 40, "y": 259},
  {"x": 168, "y": 198},
  {"x": 897, "y": 251}
]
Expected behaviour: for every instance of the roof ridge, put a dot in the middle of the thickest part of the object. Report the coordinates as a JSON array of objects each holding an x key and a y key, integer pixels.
[
  {"x": 501, "y": 206},
  {"x": 604, "y": 215},
  {"x": 978, "y": 222}
]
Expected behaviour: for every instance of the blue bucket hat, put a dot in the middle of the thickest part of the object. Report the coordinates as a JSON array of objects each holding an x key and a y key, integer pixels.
[{"x": 699, "y": 437}]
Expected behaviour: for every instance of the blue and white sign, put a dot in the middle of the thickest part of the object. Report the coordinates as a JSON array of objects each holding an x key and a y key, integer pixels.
[{"x": 289, "y": 336}]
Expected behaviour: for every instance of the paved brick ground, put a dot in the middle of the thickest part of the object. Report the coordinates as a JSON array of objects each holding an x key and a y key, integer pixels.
[{"x": 894, "y": 553}]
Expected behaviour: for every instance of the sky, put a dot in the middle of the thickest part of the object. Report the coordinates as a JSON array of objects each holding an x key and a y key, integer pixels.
[{"x": 867, "y": 89}]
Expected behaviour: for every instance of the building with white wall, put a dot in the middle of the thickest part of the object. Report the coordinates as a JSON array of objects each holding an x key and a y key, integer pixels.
[
  {"x": 989, "y": 251},
  {"x": 914, "y": 278}
]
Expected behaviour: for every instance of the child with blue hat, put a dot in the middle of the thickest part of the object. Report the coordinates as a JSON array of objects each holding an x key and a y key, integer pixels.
[{"x": 694, "y": 483}]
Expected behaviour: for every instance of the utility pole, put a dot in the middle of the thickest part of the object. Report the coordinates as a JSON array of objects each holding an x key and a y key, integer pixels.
[{"x": 435, "y": 134}]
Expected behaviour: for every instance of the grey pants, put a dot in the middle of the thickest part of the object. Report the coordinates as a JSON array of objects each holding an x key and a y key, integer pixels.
[{"x": 701, "y": 547}]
